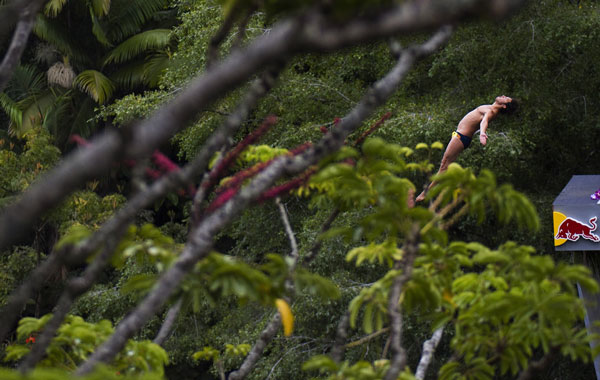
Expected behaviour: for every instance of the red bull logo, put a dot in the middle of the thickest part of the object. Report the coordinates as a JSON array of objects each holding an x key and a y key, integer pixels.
[{"x": 571, "y": 229}]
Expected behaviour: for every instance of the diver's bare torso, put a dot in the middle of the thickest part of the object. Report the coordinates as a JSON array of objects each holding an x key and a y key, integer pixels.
[{"x": 470, "y": 122}]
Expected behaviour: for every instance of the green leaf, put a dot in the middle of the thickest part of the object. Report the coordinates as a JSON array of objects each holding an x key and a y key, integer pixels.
[
  {"x": 29, "y": 325},
  {"x": 98, "y": 30},
  {"x": 16, "y": 352},
  {"x": 320, "y": 363},
  {"x": 315, "y": 285},
  {"x": 154, "y": 39},
  {"x": 74, "y": 234},
  {"x": 53, "y": 7},
  {"x": 139, "y": 283},
  {"x": 130, "y": 16},
  {"x": 437, "y": 145},
  {"x": 207, "y": 353},
  {"x": 100, "y": 7},
  {"x": 95, "y": 84}
]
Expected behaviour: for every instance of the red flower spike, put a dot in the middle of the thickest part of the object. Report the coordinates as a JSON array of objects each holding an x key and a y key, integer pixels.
[
  {"x": 372, "y": 129},
  {"x": 221, "y": 199},
  {"x": 153, "y": 173},
  {"x": 235, "y": 152},
  {"x": 164, "y": 162},
  {"x": 78, "y": 140},
  {"x": 240, "y": 177},
  {"x": 232, "y": 186},
  {"x": 287, "y": 187},
  {"x": 324, "y": 129},
  {"x": 31, "y": 339},
  {"x": 300, "y": 148}
]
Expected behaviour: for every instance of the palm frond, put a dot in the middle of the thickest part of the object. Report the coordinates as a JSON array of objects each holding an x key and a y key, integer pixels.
[
  {"x": 95, "y": 84},
  {"x": 53, "y": 7},
  {"x": 100, "y": 7},
  {"x": 149, "y": 40},
  {"x": 26, "y": 81},
  {"x": 128, "y": 16},
  {"x": 52, "y": 33},
  {"x": 98, "y": 30},
  {"x": 34, "y": 112},
  {"x": 57, "y": 115},
  {"x": 154, "y": 67},
  {"x": 11, "y": 108},
  {"x": 129, "y": 76}
]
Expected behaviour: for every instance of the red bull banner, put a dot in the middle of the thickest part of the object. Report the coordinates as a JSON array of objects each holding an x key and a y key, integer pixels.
[
  {"x": 570, "y": 229},
  {"x": 575, "y": 213}
]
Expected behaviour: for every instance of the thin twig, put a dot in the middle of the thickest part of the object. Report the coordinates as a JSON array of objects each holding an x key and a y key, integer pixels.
[
  {"x": 257, "y": 349},
  {"x": 74, "y": 289},
  {"x": 337, "y": 351},
  {"x": 367, "y": 338},
  {"x": 443, "y": 212},
  {"x": 167, "y": 327},
  {"x": 269, "y": 331},
  {"x": 212, "y": 54},
  {"x": 398, "y": 360},
  {"x": 288, "y": 229},
  {"x": 314, "y": 251},
  {"x": 241, "y": 33},
  {"x": 429, "y": 347},
  {"x": 456, "y": 217}
]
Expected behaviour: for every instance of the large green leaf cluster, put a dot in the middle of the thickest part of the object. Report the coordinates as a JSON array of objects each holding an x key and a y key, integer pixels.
[{"x": 77, "y": 339}]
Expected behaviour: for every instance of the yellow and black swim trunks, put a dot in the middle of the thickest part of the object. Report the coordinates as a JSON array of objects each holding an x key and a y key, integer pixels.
[{"x": 464, "y": 139}]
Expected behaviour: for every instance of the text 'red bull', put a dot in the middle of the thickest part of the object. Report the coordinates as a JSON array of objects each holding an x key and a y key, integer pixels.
[{"x": 572, "y": 230}]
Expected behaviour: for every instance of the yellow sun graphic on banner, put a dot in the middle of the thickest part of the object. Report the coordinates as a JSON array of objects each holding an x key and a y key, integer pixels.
[{"x": 558, "y": 219}]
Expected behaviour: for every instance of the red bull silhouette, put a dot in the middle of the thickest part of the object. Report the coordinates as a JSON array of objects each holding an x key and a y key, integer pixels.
[{"x": 572, "y": 230}]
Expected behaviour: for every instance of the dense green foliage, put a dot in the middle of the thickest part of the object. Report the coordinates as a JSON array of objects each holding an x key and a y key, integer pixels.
[{"x": 485, "y": 272}]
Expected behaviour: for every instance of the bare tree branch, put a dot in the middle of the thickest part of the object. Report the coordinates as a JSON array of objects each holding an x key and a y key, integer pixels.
[
  {"x": 271, "y": 329},
  {"x": 167, "y": 327},
  {"x": 17, "y": 300},
  {"x": 288, "y": 229},
  {"x": 74, "y": 289},
  {"x": 241, "y": 33},
  {"x": 18, "y": 42},
  {"x": 314, "y": 250},
  {"x": 429, "y": 347},
  {"x": 201, "y": 236},
  {"x": 411, "y": 247},
  {"x": 367, "y": 338},
  {"x": 259, "y": 346},
  {"x": 337, "y": 351},
  {"x": 25, "y": 12},
  {"x": 307, "y": 33}
]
